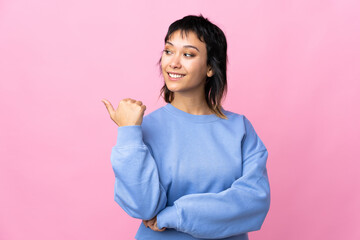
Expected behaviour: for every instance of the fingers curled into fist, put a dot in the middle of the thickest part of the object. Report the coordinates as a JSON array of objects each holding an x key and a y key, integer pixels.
[{"x": 152, "y": 224}]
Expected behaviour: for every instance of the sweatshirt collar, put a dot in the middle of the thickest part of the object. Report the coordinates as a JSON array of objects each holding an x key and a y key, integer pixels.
[{"x": 191, "y": 117}]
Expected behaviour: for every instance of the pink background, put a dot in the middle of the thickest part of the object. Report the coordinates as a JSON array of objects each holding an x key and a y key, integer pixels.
[{"x": 294, "y": 70}]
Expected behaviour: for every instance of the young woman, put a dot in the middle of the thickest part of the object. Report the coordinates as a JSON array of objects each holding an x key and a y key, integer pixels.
[{"x": 190, "y": 169}]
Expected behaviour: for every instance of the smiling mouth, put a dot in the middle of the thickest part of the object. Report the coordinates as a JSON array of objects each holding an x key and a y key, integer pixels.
[{"x": 175, "y": 75}]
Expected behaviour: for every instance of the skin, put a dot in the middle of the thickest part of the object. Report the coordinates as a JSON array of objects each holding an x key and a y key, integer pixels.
[
  {"x": 152, "y": 223},
  {"x": 129, "y": 112},
  {"x": 180, "y": 56},
  {"x": 185, "y": 55}
]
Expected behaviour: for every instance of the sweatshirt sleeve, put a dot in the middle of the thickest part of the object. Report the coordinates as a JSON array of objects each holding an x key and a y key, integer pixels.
[
  {"x": 137, "y": 189},
  {"x": 239, "y": 209}
]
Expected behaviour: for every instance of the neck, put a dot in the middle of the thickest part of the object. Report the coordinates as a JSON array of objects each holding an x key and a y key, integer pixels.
[{"x": 195, "y": 105}]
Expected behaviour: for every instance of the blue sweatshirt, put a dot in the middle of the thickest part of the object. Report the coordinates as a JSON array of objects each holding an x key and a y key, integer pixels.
[{"x": 204, "y": 177}]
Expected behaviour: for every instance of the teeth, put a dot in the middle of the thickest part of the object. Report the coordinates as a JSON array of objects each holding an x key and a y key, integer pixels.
[{"x": 175, "y": 75}]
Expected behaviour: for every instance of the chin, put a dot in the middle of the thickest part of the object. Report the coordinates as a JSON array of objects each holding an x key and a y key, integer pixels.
[
  {"x": 172, "y": 86},
  {"x": 172, "y": 89}
]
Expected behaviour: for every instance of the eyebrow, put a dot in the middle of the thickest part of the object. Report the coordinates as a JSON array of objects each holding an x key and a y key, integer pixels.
[{"x": 185, "y": 46}]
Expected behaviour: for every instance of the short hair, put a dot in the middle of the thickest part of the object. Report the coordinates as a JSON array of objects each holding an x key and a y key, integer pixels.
[{"x": 216, "y": 47}]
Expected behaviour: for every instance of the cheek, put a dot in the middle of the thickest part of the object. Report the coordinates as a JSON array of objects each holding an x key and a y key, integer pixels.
[
  {"x": 163, "y": 63},
  {"x": 197, "y": 68}
]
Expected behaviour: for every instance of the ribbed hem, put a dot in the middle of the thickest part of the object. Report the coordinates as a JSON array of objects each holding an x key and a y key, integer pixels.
[
  {"x": 191, "y": 117},
  {"x": 168, "y": 218},
  {"x": 129, "y": 136}
]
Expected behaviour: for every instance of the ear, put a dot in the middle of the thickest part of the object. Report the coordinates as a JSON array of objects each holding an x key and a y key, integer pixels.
[{"x": 209, "y": 72}]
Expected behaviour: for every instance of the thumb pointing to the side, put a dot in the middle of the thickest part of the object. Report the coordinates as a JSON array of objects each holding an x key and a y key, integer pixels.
[{"x": 109, "y": 107}]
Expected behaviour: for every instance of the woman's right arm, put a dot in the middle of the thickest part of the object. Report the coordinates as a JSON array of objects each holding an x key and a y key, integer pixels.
[{"x": 137, "y": 185}]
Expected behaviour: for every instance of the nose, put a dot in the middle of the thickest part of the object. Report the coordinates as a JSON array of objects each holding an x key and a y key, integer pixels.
[{"x": 175, "y": 61}]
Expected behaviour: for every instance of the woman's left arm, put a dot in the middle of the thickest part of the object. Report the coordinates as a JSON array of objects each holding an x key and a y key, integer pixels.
[{"x": 239, "y": 209}]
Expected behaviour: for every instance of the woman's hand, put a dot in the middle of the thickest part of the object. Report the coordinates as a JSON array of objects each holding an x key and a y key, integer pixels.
[
  {"x": 129, "y": 112},
  {"x": 152, "y": 223}
]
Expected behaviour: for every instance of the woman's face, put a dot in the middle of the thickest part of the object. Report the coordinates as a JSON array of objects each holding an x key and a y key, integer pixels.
[{"x": 184, "y": 63}]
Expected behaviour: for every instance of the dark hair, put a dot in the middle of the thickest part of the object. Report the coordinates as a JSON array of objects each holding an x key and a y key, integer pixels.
[{"x": 216, "y": 46}]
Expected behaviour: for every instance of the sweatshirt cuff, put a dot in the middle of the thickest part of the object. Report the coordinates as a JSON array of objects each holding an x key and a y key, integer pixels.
[
  {"x": 168, "y": 218},
  {"x": 129, "y": 136}
]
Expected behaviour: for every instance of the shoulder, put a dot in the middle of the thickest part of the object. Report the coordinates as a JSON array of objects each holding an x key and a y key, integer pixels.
[
  {"x": 236, "y": 118},
  {"x": 232, "y": 115},
  {"x": 155, "y": 116},
  {"x": 242, "y": 121},
  {"x": 251, "y": 139},
  {"x": 155, "y": 122}
]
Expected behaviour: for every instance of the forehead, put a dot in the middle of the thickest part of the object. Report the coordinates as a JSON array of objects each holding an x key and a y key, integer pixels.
[{"x": 182, "y": 37}]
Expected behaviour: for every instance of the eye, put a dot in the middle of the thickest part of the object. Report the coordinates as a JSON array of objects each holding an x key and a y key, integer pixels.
[
  {"x": 188, "y": 55},
  {"x": 167, "y": 52}
]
